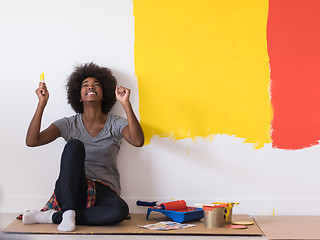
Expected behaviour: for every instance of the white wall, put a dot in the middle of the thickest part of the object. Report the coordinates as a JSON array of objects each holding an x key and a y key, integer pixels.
[{"x": 52, "y": 37}]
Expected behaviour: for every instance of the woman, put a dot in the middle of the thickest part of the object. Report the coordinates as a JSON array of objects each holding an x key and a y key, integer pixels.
[{"x": 88, "y": 187}]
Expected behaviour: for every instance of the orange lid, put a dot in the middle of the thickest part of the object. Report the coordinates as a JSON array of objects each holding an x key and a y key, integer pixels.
[{"x": 211, "y": 207}]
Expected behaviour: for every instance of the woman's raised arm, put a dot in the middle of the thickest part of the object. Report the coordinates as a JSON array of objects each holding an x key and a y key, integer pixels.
[
  {"x": 133, "y": 132},
  {"x": 34, "y": 136}
]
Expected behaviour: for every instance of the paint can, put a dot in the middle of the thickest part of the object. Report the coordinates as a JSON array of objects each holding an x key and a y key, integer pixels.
[
  {"x": 227, "y": 211},
  {"x": 213, "y": 216}
]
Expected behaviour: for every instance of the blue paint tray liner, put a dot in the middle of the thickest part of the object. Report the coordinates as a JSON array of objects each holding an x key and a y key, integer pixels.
[{"x": 188, "y": 214}]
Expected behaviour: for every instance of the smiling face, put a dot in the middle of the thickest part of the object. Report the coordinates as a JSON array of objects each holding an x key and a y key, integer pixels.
[{"x": 91, "y": 90}]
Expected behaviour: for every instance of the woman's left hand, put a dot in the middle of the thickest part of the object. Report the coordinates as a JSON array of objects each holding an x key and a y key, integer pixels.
[
  {"x": 133, "y": 132},
  {"x": 122, "y": 94}
]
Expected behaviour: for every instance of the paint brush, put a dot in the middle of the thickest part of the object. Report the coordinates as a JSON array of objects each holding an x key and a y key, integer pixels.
[
  {"x": 42, "y": 81},
  {"x": 42, "y": 77}
]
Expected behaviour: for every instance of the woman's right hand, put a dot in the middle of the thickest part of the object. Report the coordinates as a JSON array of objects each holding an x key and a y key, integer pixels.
[
  {"x": 42, "y": 92},
  {"x": 34, "y": 136}
]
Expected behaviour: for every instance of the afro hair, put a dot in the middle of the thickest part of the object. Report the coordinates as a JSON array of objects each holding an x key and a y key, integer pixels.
[{"x": 102, "y": 74}]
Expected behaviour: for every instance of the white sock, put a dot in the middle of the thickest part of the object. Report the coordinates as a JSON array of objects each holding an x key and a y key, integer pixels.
[
  {"x": 34, "y": 216},
  {"x": 68, "y": 223}
]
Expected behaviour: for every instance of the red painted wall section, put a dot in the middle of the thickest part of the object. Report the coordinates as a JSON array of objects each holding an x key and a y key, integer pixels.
[{"x": 293, "y": 37}]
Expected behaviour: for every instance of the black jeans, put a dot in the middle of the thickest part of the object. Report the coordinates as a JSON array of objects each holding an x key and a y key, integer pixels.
[{"x": 71, "y": 192}]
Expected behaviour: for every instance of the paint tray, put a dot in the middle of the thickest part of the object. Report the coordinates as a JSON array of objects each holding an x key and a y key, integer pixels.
[{"x": 185, "y": 215}]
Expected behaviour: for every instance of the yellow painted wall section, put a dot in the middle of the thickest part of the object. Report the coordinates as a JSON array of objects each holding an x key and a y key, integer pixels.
[{"x": 203, "y": 69}]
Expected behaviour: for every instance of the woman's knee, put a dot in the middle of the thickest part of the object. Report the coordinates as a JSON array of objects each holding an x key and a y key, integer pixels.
[
  {"x": 120, "y": 212},
  {"x": 102, "y": 215},
  {"x": 75, "y": 144},
  {"x": 123, "y": 210},
  {"x": 74, "y": 149}
]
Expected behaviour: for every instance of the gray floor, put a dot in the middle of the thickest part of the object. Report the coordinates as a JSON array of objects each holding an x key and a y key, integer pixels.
[{"x": 7, "y": 218}]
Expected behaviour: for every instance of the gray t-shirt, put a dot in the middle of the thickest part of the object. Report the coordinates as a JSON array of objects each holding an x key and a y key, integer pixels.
[{"x": 101, "y": 151}]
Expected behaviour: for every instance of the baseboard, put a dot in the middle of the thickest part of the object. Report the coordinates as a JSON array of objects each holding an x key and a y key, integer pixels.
[
  {"x": 249, "y": 206},
  {"x": 13, "y": 204},
  {"x": 20, "y": 204}
]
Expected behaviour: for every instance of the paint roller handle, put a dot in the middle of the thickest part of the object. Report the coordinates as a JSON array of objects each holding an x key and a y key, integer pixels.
[{"x": 147, "y": 204}]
